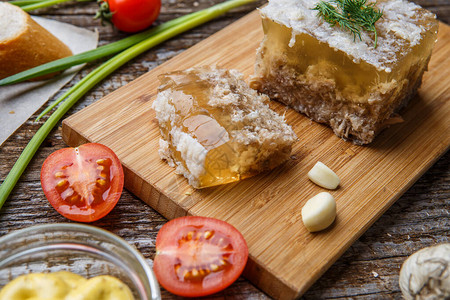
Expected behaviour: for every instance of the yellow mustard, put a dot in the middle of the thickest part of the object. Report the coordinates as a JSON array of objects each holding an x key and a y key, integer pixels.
[{"x": 65, "y": 285}]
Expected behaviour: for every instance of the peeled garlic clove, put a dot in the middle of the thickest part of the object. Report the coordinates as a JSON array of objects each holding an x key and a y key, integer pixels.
[
  {"x": 323, "y": 176},
  {"x": 319, "y": 212}
]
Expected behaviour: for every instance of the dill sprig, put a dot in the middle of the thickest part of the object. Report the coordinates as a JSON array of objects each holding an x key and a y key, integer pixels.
[{"x": 351, "y": 15}]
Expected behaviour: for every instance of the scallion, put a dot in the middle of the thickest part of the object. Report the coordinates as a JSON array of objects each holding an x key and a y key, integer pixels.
[
  {"x": 30, "y": 5},
  {"x": 91, "y": 55},
  {"x": 21, "y": 3},
  {"x": 77, "y": 91}
]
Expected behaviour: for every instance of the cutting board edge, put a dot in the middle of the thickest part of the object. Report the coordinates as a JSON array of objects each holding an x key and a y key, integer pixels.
[{"x": 71, "y": 136}]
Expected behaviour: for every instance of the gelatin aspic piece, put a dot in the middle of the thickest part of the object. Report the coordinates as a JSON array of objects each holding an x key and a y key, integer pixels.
[
  {"x": 334, "y": 78},
  {"x": 215, "y": 129}
]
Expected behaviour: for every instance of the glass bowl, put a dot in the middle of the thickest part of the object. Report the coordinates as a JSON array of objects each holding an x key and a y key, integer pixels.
[{"x": 82, "y": 249}]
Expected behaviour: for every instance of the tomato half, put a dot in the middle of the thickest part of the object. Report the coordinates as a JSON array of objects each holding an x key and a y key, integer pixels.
[
  {"x": 84, "y": 183},
  {"x": 134, "y": 15},
  {"x": 198, "y": 256}
]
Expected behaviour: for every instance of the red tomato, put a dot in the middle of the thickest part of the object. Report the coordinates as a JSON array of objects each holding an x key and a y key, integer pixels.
[
  {"x": 84, "y": 183},
  {"x": 198, "y": 256},
  {"x": 134, "y": 15}
]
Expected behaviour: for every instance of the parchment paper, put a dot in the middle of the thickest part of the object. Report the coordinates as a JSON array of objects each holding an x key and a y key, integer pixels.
[{"x": 19, "y": 101}]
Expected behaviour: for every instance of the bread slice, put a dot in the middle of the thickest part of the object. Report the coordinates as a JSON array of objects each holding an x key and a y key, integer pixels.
[
  {"x": 337, "y": 79},
  {"x": 215, "y": 129},
  {"x": 25, "y": 44}
]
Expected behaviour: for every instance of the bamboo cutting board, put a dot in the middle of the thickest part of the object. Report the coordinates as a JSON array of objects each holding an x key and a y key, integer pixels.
[{"x": 284, "y": 258}]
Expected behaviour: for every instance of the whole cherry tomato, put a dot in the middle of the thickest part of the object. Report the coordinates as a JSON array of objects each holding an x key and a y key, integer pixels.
[{"x": 133, "y": 15}]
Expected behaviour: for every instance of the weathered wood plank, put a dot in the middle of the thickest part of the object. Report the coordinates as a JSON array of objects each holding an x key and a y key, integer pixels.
[{"x": 418, "y": 219}]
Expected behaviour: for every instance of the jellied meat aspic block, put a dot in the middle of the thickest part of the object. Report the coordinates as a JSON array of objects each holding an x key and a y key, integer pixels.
[
  {"x": 333, "y": 77},
  {"x": 215, "y": 129}
]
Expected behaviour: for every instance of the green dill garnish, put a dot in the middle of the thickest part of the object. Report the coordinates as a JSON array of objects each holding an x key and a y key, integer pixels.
[{"x": 351, "y": 15}]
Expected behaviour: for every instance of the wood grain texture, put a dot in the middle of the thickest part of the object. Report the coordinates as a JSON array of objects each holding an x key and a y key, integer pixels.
[
  {"x": 367, "y": 270},
  {"x": 266, "y": 208}
]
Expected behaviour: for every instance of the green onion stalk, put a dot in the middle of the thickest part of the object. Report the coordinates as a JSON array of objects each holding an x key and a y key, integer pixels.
[
  {"x": 29, "y": 5},
  {"x": 21, "y": 3},
  {"x": 94, "y": 54},
  {"x": 78, "y": 90}
]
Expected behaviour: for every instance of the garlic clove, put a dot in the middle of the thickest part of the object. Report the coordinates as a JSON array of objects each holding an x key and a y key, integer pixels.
[
  {"x": 319, "y": 212},
  {"x": 323, "y": 176}
]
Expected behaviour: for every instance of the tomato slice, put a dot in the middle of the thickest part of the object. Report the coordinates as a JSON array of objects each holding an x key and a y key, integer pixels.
[
  {"x": 198, "y": 256},
  {"x": 83, "y": 184}
]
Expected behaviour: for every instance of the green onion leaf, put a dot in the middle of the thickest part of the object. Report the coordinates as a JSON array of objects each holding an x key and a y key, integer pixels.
[
  {"x": 21, "y": 3},
  {"x": 41, "y": 4},
  {"x": 91, "y": 55}
]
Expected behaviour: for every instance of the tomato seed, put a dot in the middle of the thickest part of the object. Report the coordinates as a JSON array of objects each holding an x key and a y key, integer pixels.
[
  {"x": 59, "y": 175},
  {"x": 61, "y": 182},
  {"x": 208, "y": 234},
  {"x": 214, "y": 267},
  {"x": 74, "y": 199},
  {"x": 100, "y": 161},
  {"x": 101, "y": 181}
]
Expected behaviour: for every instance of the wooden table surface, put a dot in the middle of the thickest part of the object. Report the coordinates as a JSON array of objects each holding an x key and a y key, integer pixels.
[{"x": 369, "y": 268}]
